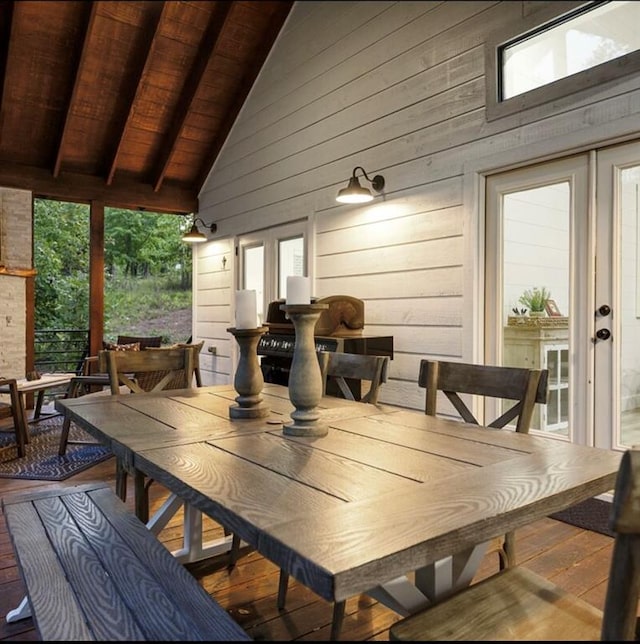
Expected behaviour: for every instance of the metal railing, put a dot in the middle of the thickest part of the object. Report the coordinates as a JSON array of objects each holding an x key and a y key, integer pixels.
[{"x": 61, "y": 350}]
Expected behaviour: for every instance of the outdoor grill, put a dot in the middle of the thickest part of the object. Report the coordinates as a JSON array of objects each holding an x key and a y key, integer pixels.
[{"x": 339, "y": 328}]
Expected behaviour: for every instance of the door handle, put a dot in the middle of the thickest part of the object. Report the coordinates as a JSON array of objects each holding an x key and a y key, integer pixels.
[
  {"x": 603, "y": 334},
  {"x": 604, "y": 310}
]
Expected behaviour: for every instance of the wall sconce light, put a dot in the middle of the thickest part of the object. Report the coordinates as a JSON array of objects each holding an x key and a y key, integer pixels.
[
  {"x": 194, "y": 236},
  {"x": 355, "y": 193}
]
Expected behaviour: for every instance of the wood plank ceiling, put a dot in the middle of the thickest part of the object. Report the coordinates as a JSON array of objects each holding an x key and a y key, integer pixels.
[{"x": 125, "y": 103}]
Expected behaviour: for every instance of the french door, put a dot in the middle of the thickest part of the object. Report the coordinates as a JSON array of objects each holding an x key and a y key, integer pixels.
[
  {"x": 267, "y": 257},
  {"x": 570, "y": 227}
]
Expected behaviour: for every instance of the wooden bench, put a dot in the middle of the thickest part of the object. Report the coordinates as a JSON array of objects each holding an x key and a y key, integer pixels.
[{"x": 93, "y": 571}]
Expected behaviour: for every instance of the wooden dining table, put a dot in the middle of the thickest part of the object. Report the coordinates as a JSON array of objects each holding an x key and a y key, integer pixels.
[{"x": 391, "y": 502}]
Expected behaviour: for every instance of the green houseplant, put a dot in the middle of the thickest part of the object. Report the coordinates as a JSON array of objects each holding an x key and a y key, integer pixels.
[{"x": 535, "y": 300}]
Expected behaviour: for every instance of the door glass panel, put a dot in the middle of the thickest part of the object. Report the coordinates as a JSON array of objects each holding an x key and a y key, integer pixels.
[
  {"x": 536, "y": 253},
  {"x": 253, "y": 275},
  {"x": 290, "y": 261},
  {"x": 628, "y": 326}
]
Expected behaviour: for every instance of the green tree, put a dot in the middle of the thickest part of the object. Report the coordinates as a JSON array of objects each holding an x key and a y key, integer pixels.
[
  {"x": 61, "y": 258},
  {"x": 148, "y": 267}
]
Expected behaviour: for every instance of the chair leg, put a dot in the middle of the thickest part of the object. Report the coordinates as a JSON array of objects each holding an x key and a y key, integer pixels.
[
  {"x": 121, "y": 480},
  {"x": 141, "y": 496},
  {"x": 507, "y": 552},
  {"x": 283, "y": 584},
  {"x": 234, "y": 553},
  {"x": 338, "y": 618},
  {"x": 64, "y": 436}
]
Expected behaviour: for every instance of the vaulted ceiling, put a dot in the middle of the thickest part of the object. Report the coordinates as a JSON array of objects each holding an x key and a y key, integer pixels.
[{"x": 125, "y": 103}]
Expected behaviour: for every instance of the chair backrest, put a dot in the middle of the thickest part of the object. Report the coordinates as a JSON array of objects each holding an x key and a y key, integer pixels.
[
  {"x": 339, "y": 366},
  {"x": 144, "y": 371},
  {"x": 196, "y": 348},
  {"x": 623, "y": 588},
  {"x": 525, "y": 386},
  {"x": 145, "y": 342}
]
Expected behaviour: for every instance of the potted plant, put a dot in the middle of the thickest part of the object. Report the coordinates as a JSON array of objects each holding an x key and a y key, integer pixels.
[{"x": 535, "y": 300}]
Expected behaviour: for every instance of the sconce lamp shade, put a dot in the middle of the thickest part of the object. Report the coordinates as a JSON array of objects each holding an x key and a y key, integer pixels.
[
  {"x": 194, "y": 236},
  {"x": 355, "y": 193}
]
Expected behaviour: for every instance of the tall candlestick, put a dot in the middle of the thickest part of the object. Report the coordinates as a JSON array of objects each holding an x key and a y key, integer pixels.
[
  {"x": 246, "y": 310},
  {"x": 298, "y": 290},
  {"x": 305, "y": 377}
]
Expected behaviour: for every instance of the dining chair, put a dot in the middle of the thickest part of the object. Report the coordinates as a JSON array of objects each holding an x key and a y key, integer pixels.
[
  {"x": 144, "y": 341},
  {"x": 89, "y": 382},
  {"x": 143, "y": 372},
  {"x": 517, "y": 604},
  {"x": 135, "y": 372},
  {"x": 341, "y": 367},
  {"x": 519, "y": 387},
  {"x": 14, "y": 409},
  {"x": 196, "y": 347}
]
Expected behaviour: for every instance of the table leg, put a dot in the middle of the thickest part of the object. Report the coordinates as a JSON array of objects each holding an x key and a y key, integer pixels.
[
  {"x": 193, "y": 548},
  {"x": 433, "y": 582},
  {"x": 22, "y": 612},
  {"x": 451, "y": 573},
  {"x": 141, "y": 496}
]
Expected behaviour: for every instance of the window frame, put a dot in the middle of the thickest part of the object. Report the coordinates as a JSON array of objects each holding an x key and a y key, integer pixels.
[{"x": 548, "y": 98}]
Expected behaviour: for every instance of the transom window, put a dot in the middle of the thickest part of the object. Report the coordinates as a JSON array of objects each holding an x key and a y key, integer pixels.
[{"x": 594, "y": 34}]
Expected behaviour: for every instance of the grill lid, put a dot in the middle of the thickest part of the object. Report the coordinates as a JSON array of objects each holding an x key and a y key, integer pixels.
[{"x": 343, "y": 318}]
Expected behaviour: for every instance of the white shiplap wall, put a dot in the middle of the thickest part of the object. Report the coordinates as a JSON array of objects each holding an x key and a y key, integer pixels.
[{"x": 398, "y": 88}]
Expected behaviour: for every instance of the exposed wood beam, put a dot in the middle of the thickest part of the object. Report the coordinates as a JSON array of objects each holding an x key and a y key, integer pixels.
[
  {"x": 146, "y": 47},
  {"x": 207, "y": 48},
  {"x": 6, "y": 16},
  {"x": 96, "y": 277},
  {"x": 91, "y": 9},
  {"x": 124, "y": 193}
]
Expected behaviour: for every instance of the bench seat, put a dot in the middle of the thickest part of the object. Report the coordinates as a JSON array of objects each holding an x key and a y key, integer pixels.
[{"x": 93, "y": 571}]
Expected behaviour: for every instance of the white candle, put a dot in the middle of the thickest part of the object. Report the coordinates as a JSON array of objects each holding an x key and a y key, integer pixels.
[
  {"x": 246, "y": 310},
  {"x": 298, "y": 290}
]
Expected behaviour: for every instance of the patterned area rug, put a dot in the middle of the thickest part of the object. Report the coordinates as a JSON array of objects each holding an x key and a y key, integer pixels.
[
  {"x": 592, "y": 514},
  {"x": 42, "y": 461}
]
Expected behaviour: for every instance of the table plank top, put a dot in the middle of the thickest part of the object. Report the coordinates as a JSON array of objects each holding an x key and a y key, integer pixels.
[
  {"x": 45, "y": 381},
  {"x": 385, "y": 492}
]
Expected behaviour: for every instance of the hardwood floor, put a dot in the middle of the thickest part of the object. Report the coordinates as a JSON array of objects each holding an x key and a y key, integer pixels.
[{"x": 576, "y": 559}]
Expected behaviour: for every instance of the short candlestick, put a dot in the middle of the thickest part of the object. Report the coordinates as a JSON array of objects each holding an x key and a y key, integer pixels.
[{"x": 248, "y": 381}]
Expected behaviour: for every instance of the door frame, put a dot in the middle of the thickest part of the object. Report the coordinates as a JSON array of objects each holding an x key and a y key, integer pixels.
[{"x": 577, "y": 169}]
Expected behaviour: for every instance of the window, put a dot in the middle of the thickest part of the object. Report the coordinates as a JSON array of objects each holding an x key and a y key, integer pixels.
[
  {"x": 267, "y": 257},
  {"x": 559, "y": 56},
  {"x": 575, "y": 43},
  {"x": 291, "y": 261}
]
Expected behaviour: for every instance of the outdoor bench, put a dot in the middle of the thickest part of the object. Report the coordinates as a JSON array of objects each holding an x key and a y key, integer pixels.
[{"x": 93, "y": 571}]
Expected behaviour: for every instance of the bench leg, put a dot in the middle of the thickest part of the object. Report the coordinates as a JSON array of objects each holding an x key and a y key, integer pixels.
[{"x": 22, "y": 612}]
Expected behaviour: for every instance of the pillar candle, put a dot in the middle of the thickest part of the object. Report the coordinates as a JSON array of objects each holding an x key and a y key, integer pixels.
[
  {"x": 246, "y": 310},
  {"x": 298, "y": 290}
]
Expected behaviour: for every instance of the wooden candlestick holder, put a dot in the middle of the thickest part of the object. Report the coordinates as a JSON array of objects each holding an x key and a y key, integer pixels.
[
  {"x": 248, "y": 381},
  {"x": 305, "y": 377}
]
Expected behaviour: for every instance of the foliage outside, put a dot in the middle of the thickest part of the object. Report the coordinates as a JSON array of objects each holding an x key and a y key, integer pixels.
[{"x": 148, "y": 271}]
